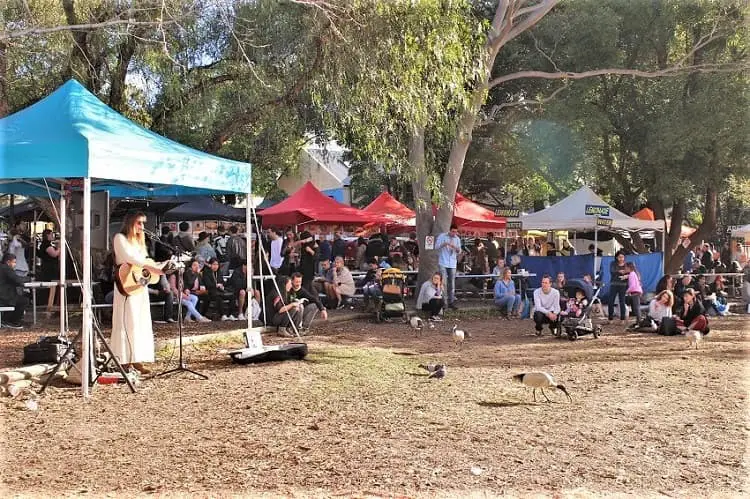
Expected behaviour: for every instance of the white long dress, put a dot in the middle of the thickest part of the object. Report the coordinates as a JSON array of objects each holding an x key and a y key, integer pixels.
[{"x": 132, "y": 332}]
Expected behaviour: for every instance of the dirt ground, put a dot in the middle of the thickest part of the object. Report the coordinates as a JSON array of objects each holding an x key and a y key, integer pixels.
[{"x": 358, "y": 418}]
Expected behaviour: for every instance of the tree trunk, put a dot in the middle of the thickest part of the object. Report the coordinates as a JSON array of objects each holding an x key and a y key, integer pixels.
[
  {"x": 704, "y": 232},
  {"x": 4, "y": 101},
  {"x": 117, "y": 90},
  {"x": 422, "y": 206}
]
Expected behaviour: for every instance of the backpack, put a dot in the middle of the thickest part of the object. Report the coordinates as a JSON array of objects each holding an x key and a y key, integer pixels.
[{"x": 668, "y": 327}]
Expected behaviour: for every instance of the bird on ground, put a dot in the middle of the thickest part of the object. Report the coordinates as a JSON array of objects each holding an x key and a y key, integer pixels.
[
  {"x": 417, "y": 324},
  {"x": 430, "y": 368},
  {"x": 459, "y": 335},
  {"x": 694, "y": 338},
  {"x": 440, "y": 372},
  {"x": 541, "y": 380}
]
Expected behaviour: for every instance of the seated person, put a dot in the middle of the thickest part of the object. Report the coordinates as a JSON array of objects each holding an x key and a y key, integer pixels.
[
  {"x": 691, "y": 314},
  {"x": 213, "y": 281},
  {"x": 661, "y": 306},
  {"x": 680, "y": 287},
  {"x": 716, "y": 301},
  {"x": 326, "y": 275},
  {"x": 371, "y": 283},
  {"x": 10, "y": 282},
  {"x": 575, "y": 306},
  {"x": 280, "y": 310},
  {"x": 430, "y": 297},
  {"x": 237, "y": 285},
  {"x": 309, "y": 303},
  {"x": 340, "y": 288},
  {"x": 161, "y": 291},
  {"x": 506, "y": 297},
  {"x": 187, "y": 300},
  {"x": 546, "y": 305},
  {"x": 193, "y": 282}
]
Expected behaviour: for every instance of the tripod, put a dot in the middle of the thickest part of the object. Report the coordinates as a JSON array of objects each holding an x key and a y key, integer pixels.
[
  {"x": 66, "y": 356},
  {"x": 181, "y": 363}
]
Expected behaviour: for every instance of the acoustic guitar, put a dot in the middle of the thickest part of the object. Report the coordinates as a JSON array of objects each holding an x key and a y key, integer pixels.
[{"x": 131, "y": 279}]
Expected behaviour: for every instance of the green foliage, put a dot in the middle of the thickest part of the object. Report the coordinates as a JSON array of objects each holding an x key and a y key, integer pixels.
[{"x": 397, "y": 66}]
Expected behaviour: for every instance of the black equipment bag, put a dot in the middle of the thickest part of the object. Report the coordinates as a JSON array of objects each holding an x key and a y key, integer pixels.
[
  {"x": 47, "y": 350},
  {"x": 668, "y": 326}
]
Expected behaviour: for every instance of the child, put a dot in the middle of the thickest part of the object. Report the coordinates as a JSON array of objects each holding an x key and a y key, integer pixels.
[
  {"x": 576, "y": 305},
  {"x": 634, "y": 290}
]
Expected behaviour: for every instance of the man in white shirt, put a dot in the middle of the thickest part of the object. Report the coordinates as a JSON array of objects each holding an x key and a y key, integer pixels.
[
  {"x": 448, "y": 246},
  {"x": 17, "y": 247},
  {"x": 546, "y": 305},
  {"x": 276, "y": 260}
]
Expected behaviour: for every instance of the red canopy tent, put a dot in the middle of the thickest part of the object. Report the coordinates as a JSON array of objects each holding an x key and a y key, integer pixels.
[
  {"x": 648, "y": 214},
  {"x": 309, "y": 205},
  {"x": 469, "y": 215},
  {"x": 400, "y": 216}
]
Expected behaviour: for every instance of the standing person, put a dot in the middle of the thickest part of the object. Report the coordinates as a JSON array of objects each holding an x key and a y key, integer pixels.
[
  {"x": 220, "y": 244},
  {"x": 9, "y": 295},
  {"x": 203, "y": 248},
  {"x": 448, "y": 246},
  {"x": 17, "y": 247},
  {"x": 237, "y": 283},
  {"x": 308, "y": 256},
  {"x": 325, "y": 249},
  {"x": 546, "y": 305},
  {"x": 618, "y": 286},
  {"x": 275, "y": 259},
  {"x": 132, "y": 333},
  {"x": 49, "y": 254},
  {"x": 634, "y": 291},
  {"x": 236, "y": 248},
  {"x": 430, "y": 297},
  {"x": 506, "y": 296},
  {"x": 184, "y": 239},
  {"x": 359, "y": 259}
]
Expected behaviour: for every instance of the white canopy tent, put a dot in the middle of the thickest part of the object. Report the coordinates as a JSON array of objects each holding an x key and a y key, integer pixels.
[
  {"x": 585, "y": 210},
  {"x": 742, "y": 232}
]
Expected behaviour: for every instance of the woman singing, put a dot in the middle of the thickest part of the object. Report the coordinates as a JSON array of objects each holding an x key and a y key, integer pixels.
[{"x": 132, "y": 334}]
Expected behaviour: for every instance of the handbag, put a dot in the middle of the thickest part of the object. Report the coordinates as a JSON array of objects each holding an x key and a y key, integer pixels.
[{"x": 668, "y": 327}]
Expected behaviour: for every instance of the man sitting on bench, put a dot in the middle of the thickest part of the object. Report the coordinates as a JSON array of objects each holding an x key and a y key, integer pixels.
[{"x": 9, "y": 295}]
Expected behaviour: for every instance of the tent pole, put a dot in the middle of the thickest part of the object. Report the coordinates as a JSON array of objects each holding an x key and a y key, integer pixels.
[
  {"x": 63, "y": 261},
  {"x": 253, "y": 338},
  {"x": 596, "y": 249},
  {"x": 86, "y": 289},
  {"x": 664, "y": 249}
]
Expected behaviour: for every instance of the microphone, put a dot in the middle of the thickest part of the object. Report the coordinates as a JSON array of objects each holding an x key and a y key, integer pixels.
[{"x": 153, "y": 235}]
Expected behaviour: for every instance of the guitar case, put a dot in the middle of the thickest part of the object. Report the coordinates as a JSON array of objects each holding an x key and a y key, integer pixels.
[{"x": 274, "y": 353}]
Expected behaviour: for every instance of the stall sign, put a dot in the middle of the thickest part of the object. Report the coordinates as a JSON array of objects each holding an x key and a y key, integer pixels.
[
  {"x": 603, "y": 222},
  {"x": 597, "y": 209},
  {"x": 507, "y": 212}
]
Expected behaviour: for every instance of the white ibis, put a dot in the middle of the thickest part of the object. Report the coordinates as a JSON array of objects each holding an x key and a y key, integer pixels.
[
  {"x": 459, "y": 335},
  {"x": 541, "y": 380},
  {"x": 417, "y": 324},
  {"x": 694, "y": 337}
]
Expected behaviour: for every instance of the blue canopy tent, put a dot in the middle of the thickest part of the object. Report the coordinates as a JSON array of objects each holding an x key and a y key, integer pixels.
[{"x": 71, "y": 141}]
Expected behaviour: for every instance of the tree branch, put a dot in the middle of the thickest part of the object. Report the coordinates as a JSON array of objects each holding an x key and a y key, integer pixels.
[
  {"x": 22, "y": 33},
  {"x": 567, "y": 75},
  {"x": 535, "y": 14}
]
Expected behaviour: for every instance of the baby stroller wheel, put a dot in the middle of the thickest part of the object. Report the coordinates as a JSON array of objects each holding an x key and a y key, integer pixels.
[
  {"x": 572, "y": 335},
  {"x": 597, "y": 331}
]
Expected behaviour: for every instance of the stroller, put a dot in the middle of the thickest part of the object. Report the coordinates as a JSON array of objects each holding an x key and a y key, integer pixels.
[
  {"x": 578, "y": 326},
  {"x": 391, "y": 304}
]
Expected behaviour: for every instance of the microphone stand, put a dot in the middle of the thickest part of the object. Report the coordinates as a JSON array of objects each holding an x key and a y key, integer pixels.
[{"x": 181, "y": 367}]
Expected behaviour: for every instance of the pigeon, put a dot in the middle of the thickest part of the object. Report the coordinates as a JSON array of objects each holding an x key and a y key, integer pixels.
[
  {"x": 440, "y": 372},
  {"x": 430, "y": 368},
  {"x": 694, "y": 337}
]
